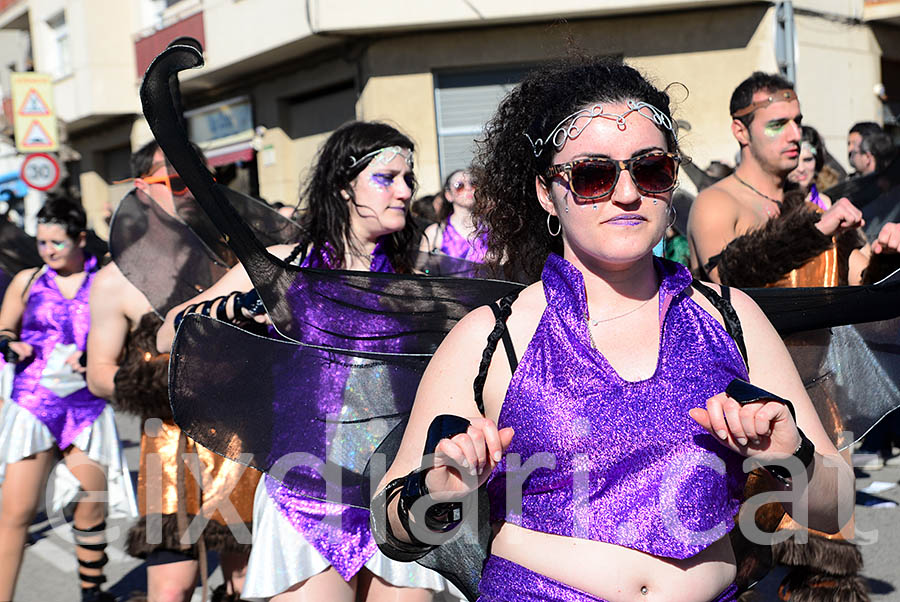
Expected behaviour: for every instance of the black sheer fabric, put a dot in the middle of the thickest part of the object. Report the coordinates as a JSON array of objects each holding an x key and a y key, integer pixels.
[
  {"x": 188, "y": 254},
  {"x": 18, "y": 250},
  {"x": 341, "y": 390},
  {"x": 142, "y": 235},
  {"x": 877, "y": 195}
]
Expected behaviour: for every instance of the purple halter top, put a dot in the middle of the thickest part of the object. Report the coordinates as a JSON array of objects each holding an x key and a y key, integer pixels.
[
  {"x": 340, "y": 533},
  {"x": 455, "y": 245},
  {"x": 632, "y": 468},
  {"x": 51, "y": 319}
]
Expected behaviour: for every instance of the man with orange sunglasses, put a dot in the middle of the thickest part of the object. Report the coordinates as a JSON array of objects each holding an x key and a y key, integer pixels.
[{"x": 123, "y": 366}]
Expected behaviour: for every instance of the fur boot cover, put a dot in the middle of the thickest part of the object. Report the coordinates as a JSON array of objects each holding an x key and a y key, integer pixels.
[
  {"x": 216, "y": 536},
  {"x": 767, "y": 254},
  {"x": 805, "y": 585},
  {"x": 823, "y": 569}
]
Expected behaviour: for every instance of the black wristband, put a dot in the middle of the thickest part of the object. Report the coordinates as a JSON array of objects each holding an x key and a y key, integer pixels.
[
  {"x": 805, "y": 452},
  {"x": 249, "y": 301},
  {"x": 8, "y": 354},
  {"x": 744, "y": 393}
]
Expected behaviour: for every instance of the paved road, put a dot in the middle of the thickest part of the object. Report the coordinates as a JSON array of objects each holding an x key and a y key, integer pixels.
[{"x": 49, "y": 570}]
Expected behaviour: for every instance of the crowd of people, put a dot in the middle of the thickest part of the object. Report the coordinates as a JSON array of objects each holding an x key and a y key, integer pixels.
[{"x": 630, "y": 370}]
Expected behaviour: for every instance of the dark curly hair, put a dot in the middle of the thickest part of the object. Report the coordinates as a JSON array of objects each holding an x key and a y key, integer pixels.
[
  {"x": 64, "y": 212},
  {"x": 505, "y": 166},
  {"x": 326, "y": 222}
]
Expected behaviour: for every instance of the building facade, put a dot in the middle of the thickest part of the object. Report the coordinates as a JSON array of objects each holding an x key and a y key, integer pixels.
[{"x": 281, "y": 74}]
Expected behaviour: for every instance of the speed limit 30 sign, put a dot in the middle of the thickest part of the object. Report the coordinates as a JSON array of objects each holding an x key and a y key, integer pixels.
[{"x": 40, "y": 171}]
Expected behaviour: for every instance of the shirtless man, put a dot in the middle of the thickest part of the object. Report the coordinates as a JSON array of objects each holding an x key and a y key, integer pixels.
[
  {"x": 117, "y": 308},
  {"x": 766, "y": 123}
]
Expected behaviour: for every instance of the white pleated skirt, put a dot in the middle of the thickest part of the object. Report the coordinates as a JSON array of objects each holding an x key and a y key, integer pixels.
[
  {"x": 281, "y": 557},
  {"x": 23, "y": 435}
]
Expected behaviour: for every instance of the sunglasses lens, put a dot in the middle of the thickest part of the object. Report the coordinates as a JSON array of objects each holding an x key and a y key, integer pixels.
[
  {"x": 654, "y": 173},
  {"x": 178, "y": 186},
  {"x": 593, "y": 179}
]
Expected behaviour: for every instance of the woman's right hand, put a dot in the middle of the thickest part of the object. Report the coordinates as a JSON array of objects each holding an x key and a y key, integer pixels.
[
  {"x": 477, "y": 451},
  {"x": 23, "y": 350}
]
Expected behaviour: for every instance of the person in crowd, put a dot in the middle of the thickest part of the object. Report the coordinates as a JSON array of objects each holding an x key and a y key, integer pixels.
[
  {"x": 746, "y": 231},
  {"x": 44, "y": 323},
  {"x": 809, "y": 166},
  {"x": 358, "y": 198},
  {"x": 735, "y": 224},
  {"x": 869, "y": 148},
  {"x": 615, "y": 365},
  {"x": 422, "y": 209},
  {"x": 456, "y": 235},
  {"x": 124, "y": 366}
]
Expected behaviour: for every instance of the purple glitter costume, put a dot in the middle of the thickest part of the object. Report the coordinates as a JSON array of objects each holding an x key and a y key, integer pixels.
[
  {"x": 51, "y": 319},
  {"x": 816, "y": 198},
  {"x": 340, "y": 533},
  {"x": 455, "y": 245},
  {"x": 630, "y": 466}
]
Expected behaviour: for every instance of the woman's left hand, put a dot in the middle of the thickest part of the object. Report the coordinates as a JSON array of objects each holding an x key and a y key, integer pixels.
[
  {"x": 765, "y": 430},
  {"x": 74, "y": 362}
]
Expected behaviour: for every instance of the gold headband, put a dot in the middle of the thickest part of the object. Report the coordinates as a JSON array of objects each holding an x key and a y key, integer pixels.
[{"x": 786, "y": 95}]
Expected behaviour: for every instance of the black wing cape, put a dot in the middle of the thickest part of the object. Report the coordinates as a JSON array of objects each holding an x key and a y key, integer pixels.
[{"x": 362, "y": 340}]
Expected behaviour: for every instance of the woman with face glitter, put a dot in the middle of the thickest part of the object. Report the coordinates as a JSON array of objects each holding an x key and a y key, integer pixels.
[
  {"x": 812, "y": 158},
  {"x": 456, "y": 235},
  {"x": 358, "y": 198},
  {"x": 611, "y": 453},
  {"x": 44, "y": 323}
]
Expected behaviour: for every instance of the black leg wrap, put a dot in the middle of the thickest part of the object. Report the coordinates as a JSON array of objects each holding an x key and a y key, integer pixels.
[{"x": 94, "y": 564}]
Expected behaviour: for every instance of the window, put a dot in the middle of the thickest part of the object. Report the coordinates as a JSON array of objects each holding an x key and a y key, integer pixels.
[
  {"x": 464, "y": 101},
  {"x": 62, "y": 54},
  {"x": 320, "y": 112}
]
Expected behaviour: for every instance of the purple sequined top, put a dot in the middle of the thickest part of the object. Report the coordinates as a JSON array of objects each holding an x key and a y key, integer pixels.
[
  {"x": 51, "y": 319},
  {"x": 816, "y": 198},
  {"x": 455, "y": 245},
  {"x": 340, "y": 533},
  {"x": 626, "y": 463}
]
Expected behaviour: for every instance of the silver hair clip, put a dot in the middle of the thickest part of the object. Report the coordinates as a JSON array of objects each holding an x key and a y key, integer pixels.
[
  {"x": 569, "y": 128},
  {"x": 384, "y": 155}
]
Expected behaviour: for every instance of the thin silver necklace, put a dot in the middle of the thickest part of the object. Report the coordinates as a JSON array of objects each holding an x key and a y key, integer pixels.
[{"x": 587, "y": 317}]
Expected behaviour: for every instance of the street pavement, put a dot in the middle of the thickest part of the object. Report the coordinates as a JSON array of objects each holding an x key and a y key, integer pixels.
[{"x": 49, "y": 568}]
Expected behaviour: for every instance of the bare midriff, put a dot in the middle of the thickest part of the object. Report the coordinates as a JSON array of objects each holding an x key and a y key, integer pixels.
[{"x": 615, "y": 573}]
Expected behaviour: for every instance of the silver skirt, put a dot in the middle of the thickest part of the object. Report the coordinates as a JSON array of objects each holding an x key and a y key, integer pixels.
[{"x": 281, "y": 558}]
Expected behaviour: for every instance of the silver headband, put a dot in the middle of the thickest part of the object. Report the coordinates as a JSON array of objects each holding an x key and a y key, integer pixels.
[
  {"x": 569, "y": 128},
  {"x": 384, "y": 155}
]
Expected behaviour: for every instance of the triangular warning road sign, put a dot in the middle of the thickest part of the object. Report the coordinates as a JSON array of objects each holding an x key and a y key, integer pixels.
[
  {"x": 34, "y": 105},
  {"x": 36, "y": 136}
]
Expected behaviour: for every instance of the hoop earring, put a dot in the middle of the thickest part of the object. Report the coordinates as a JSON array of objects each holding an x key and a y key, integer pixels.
[
  {"x": 558, "y": 227},
  {"x": 674, "y": 213}
]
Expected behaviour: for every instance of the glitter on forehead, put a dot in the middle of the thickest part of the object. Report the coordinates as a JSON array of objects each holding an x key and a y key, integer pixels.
[
  {"x": 809, "y": 147},
  {"x": 384, "y": 155},
  {"x": 572, "y": 126}
]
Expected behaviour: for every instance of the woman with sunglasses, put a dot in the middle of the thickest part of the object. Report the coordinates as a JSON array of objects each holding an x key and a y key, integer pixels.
[
  {"x": 358, "y": 198},
  {"x": 455, "y": 234},
  {"x": 44, "y": 322},
  {"x": 611, "y": 454}
]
